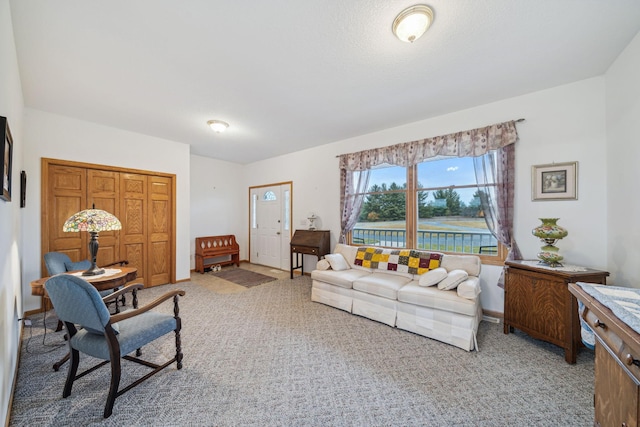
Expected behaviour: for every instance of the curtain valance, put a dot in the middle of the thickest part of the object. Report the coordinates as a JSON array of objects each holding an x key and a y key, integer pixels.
[{"x": 469, "y": 143}]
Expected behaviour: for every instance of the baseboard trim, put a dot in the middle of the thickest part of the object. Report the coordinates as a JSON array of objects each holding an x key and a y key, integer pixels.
[
  {"x": 492, "y": 316},
  {"x": 15, "y": 373}
]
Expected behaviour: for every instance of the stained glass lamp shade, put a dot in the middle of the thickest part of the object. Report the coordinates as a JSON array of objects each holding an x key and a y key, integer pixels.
[{"x": 93, "y": 221}]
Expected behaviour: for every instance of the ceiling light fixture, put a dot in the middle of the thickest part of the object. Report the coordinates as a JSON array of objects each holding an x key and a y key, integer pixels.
[
  {"x": 412, "y": 22},
  {"x": 218, "y": 125}
]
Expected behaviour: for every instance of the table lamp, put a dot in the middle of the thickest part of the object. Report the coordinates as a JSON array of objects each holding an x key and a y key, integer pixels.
[{"x": 92, "y": 220}]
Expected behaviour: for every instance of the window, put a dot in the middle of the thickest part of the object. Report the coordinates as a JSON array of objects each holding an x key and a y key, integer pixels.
[
  {"x": 382, "y": 220},
  {"x": 435, "y": 205}
]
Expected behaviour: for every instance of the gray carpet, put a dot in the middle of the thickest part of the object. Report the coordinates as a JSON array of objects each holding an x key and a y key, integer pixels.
[{"x": 268, "y": 356}]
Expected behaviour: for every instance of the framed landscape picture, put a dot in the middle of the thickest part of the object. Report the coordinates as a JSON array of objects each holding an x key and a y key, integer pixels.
[
  {"x": 6, "y": 154},
  {"x": 557, "y": 181}
]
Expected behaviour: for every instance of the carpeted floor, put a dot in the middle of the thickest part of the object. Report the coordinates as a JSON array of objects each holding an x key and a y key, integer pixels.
[{"x": 268, "y": 356}]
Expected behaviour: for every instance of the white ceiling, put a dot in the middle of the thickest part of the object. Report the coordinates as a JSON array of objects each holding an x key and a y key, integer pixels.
[{"x": 289, "y": 75}]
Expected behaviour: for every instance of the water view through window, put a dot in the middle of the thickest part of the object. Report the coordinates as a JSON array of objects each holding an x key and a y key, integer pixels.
[{"x": 444, "y": 202}]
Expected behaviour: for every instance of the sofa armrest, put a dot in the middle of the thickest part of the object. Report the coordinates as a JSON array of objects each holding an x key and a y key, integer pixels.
[{"x": 470, "y": 288}]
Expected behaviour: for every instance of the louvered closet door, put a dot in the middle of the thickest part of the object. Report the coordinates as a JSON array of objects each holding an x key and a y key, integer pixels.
[
  {"x": 66, "y": 195},
  {"x": 159, "y": 230},
  {"x": 103, "y": 188},
  {"x": 133, "y": 236}
]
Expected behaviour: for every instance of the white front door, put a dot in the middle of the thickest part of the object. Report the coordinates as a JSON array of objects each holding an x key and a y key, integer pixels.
[{"x": 270, "y": 230}]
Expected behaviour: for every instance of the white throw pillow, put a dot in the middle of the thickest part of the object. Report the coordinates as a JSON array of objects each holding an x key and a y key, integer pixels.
[
  {"x": 432, "y": 277},
  {"x": 323, "y": 264},
  {"x": 470, "y": 288},
  {"x": 337, "y": 262},
  {"x": 453, "y": 279}
]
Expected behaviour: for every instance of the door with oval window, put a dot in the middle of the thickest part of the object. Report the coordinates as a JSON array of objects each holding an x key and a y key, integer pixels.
[{"x": 270, "y": 225}]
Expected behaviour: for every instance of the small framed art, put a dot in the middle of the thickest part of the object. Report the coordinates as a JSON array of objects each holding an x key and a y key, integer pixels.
[
  {"x": 6, "y": 155},
  {"x": 557, "y": 181}
]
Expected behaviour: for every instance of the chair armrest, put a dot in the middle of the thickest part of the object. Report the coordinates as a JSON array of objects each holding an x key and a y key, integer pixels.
[
  {"x": 131, "y": 313},
  {"x": 121, "y": 263},
  {"x": 129, "y": 287}
]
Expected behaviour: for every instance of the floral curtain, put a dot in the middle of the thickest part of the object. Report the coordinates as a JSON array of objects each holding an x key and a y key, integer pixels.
[
  {"x": 498, "y": 167},
  {"x": 469, "y": 143},
  {"x": 352, "y": 184}
]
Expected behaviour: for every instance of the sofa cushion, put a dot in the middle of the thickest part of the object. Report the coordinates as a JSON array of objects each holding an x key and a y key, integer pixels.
[
  {"x": 432, "y": 277},
  {"x": 453, "y": 279},
  {"x": 469, "y": 263},
  {"x": 349, "y": 253},
  {"x": 469, "y": 289},
  {"x": 383, "y": 285},
  {"x": 402, "y": 260},
  {"x": 433, "y": 297},
  {"x": 343, "y": 278},
  {"x": 337, "y": 262}
]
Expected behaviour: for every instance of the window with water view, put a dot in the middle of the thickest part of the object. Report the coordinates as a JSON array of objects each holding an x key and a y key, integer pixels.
[{"x": 434, "y": 206}]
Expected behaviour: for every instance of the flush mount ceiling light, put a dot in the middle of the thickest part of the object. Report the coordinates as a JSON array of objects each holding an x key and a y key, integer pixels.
[
  {"x": 412, "y": 22},
  {"x": 218, "y": 125}
]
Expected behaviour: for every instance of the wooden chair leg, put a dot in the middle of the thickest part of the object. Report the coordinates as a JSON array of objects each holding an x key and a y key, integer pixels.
[
  {"x": 113, "y": 387},
  {"x": 71, "y": 374},
  {"x": 178, "y": 349}
]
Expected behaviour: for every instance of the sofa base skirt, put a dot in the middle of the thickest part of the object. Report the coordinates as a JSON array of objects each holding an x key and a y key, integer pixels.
[
  {"x": 373, "y": 307},
  {"x": 331, "y": 295},
  {"x": 451, "y": 328}
]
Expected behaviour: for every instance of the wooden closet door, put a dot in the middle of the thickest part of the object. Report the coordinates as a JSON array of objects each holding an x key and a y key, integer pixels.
[
  {"x": 66, "y": 195},
  {"x": 133, "y": 236},
  {"x": 102, "y": 191},
  {"x": 159, "y": 230}
]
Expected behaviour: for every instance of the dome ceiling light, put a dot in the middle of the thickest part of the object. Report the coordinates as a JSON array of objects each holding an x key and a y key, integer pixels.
[
  {"x": 218, "y": 126},
  {"x": 412, "y": 22}
]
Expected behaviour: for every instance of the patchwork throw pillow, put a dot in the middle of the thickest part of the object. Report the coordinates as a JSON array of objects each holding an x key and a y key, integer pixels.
[
  {"x": 453, "y": 279},
  {"x": 432, "y": 277},
  {"x": 402, "y": 260},
  {"x": 337, "y": 262}
]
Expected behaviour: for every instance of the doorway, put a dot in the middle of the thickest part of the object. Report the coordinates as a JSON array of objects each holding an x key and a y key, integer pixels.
[{"x": 270, "y": 224}]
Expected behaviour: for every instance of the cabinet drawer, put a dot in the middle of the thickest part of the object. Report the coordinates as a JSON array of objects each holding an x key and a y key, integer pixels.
[
  {"x": 616, "y": 345},
  {"x": 304, "y": 250}
]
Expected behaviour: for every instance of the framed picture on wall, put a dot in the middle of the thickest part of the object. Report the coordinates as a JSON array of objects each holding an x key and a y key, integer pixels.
[
  {"x": 6, "y": 154},
  {"x": 557, "y": 181}
]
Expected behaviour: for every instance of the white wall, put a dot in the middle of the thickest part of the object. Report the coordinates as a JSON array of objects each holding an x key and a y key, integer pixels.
[
  {"x": 11, "y": 247},
  {"x": 53, "y": 136},
  {"x": 623, "y": 156},
  {"x": 218, "y": 202},
  {"x": 562, "y": 124}
]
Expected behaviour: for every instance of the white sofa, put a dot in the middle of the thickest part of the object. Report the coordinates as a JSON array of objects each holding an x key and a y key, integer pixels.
[{"x": 431, "y": 294}]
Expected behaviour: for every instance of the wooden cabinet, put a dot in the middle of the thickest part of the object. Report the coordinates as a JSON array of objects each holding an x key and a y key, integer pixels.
[
  {"x": 310, "y": 242},
  {"x": 538, "y": 302},
  {"x": 143, "y": 201},
  {"x": 617, "y": 370}
]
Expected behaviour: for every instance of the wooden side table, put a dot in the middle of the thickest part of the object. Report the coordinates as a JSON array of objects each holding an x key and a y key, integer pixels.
[{"x": 538, "y": 302}]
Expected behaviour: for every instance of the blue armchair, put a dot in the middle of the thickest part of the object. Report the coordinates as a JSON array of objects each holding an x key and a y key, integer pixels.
[
  {"x": 58, "y": 262},
  {"x": 93, "y": 331}
]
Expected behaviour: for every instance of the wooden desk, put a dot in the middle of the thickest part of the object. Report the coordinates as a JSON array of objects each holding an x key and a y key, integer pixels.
[
  {"x": 311, "y": 242},
  {"x": 617, "y": 364},
  {"x": 537, "y": 301},
  {"x": 101, "y": 283}
]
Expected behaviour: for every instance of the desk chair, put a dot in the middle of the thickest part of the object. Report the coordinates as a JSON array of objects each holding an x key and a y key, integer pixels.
[
  {"x": 58, "y": 262},
  {"x": 93, "y": 331}
]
